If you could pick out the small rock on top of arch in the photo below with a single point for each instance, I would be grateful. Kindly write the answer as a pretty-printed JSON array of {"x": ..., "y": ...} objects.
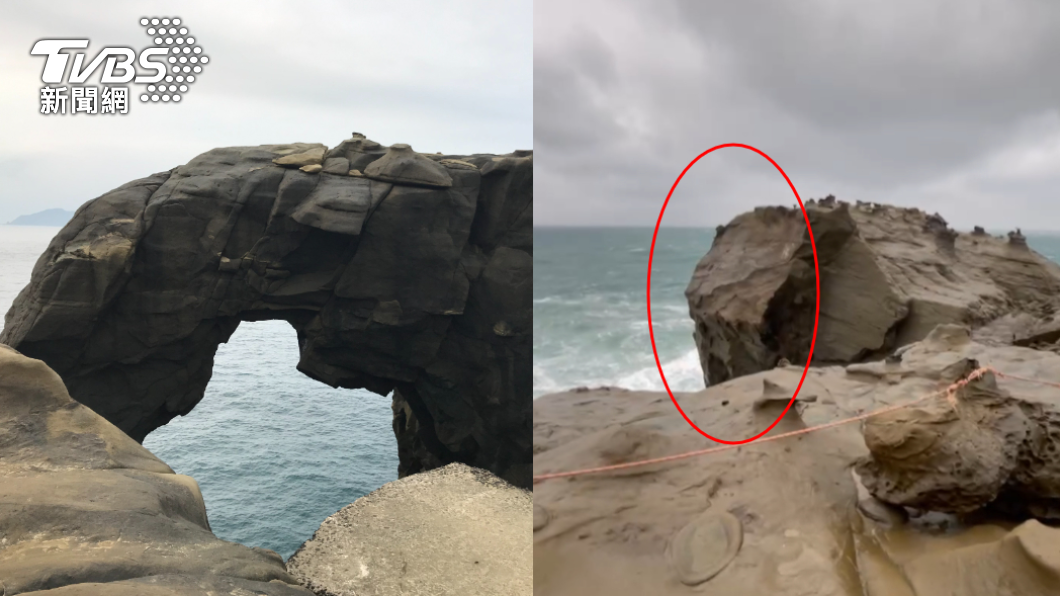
[{"x": 402, "y": 165}]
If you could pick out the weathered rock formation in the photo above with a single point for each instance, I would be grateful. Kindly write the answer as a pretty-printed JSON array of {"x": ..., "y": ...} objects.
[
  {"x": 806, "y": 524},
  {"x": 400, "y": 272},
  {"x": 86, "y": 510},
  {"x": 451, "y": 531},
  {"x": 987, "y": 449},
  {"x": 888, "y": 276}
]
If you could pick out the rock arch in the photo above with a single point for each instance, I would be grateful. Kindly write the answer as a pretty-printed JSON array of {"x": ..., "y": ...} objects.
[{"x": 399, "y": 271}]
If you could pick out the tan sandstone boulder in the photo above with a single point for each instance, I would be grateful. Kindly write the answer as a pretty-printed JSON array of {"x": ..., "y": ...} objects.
[{"x": 889, "y": 275}]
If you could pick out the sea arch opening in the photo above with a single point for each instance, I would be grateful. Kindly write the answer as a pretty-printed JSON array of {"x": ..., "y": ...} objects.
[{"x": 273, "y": 450}]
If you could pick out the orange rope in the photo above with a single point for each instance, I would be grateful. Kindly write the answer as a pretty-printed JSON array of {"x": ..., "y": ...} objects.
[{"x": 949, "y": 392}]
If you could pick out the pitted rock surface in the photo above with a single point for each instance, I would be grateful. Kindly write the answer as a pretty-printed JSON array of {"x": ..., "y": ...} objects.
[
  {"x": 412, "y": 288},
  {"x": 987, "y": 449},
  {"x": 452, "y": 531}
]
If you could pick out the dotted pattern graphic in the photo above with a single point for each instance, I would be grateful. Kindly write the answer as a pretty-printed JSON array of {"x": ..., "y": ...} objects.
[{"x": 185, "y": 58}]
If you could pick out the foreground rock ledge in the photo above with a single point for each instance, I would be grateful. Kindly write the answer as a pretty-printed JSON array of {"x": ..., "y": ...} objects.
[
  {"x": 86, "y": 510},
  {"x": 889, "y": 275},
  {"x": 399, "y": 272},
  {"x": 450, "y": 531},
  {"x": 809, "y": 526}
]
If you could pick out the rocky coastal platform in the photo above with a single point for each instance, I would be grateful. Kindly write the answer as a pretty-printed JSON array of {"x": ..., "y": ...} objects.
[
  {"x": 952, "y": 495},
  {"x": 942, "y": 519}
]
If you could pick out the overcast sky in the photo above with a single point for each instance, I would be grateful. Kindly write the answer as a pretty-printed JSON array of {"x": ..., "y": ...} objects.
[
  {"x": 454, "y": 77},
  {"x": 951, "y": 106}
]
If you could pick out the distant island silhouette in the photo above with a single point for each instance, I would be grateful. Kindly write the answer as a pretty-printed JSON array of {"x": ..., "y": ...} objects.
[{"x": 48, "y": 217}]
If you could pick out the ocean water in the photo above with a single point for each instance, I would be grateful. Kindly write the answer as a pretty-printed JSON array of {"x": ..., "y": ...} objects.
[
  {"x": 274, "y": 451},
  {"x": 590, "y": 315}
]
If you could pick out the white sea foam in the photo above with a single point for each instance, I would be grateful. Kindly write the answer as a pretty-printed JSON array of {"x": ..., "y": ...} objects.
[
  {"x": 682, "y": 374},
  {"x": 543, "y": 383}
]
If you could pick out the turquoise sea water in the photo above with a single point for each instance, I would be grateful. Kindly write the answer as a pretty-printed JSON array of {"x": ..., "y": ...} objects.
[
  {"x": 274, "y": 451},
  {"x": 590, "y": 316}
]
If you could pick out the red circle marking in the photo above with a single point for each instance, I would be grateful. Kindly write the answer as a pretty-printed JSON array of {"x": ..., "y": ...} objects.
[{"x": 817, "y": 299}]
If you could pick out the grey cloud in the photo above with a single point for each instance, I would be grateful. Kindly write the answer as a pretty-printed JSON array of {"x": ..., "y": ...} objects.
[
  {"x": 563, "y": 94},
  {"x": 454, "y": 77},
  {"x": 846, "y": 64},
  {"x": 904, "y": 102}
]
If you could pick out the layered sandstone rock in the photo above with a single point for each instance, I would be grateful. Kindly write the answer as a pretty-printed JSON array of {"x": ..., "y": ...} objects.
[
  {"x": 888, "y": 276},
  {"x": 413, "y": 277},
  {"x": 84, "y": 509},
  {"x": 453, "y": 531},
  {"x": 807, "y": 522},
  {"x": 985, "y": 448}
]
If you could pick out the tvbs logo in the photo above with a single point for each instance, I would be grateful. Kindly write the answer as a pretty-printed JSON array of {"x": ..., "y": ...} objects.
[{"x": 166, "y": 69}]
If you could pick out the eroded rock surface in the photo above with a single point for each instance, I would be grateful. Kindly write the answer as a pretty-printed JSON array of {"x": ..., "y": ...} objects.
[
  {"x": 84, "y": 509},
  {"x": 808, "y": 525},
  {"x": 704, "y": 547},
  {"x": 888, "y": 276},
  {"x": 415, "y": 278},
  {"x": 452, "y": 531},
  {"x": 986, "y": 449}
]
